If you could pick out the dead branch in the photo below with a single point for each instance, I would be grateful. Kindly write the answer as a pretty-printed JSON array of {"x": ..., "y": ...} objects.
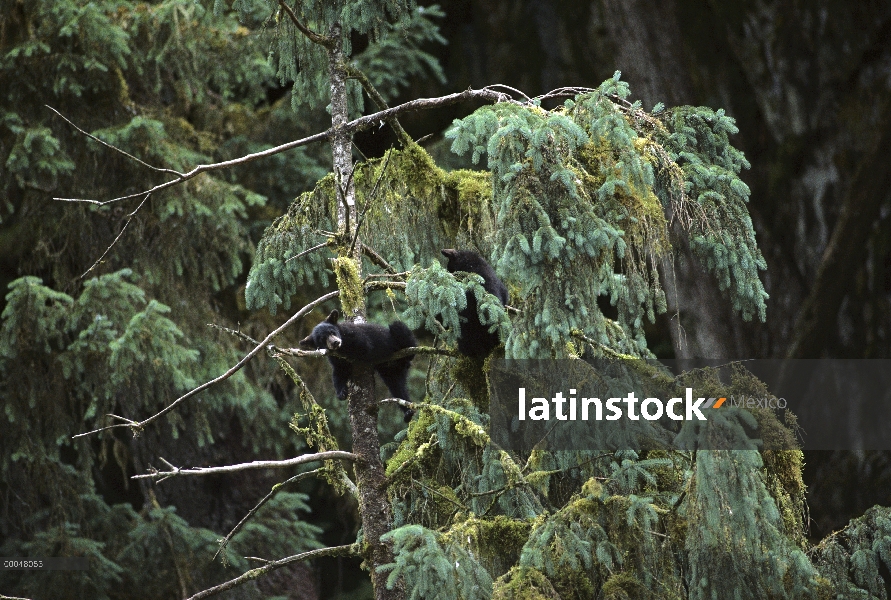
[
  {"x": 123, "y": 229},
  {"x": 350, "y": 549},
  {"x": 257, "y": 464},
  {"x": 115, "y": 148},
  {"x": 353, "y": 126},
  {"x": 138, "y": 426},
  {"x": 275, "y": 490}
]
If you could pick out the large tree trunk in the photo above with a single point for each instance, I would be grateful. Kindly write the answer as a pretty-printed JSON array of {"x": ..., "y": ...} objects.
[{"x": 374, "y": 506}]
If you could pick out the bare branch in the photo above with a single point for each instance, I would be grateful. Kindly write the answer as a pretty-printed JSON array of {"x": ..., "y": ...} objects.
[
  {"x": 368, "y": 200},
  {"x": 357, "y": 74},
  {"x": 257, "y": 464},
  {"x": 307, "y": 251},
  {"x": 115, "y": 148},
  {"x": 353, "y": 126},
  {"x": 400, "y": 402},
  {"x": 314, "y": 37},
  {"x": 211, "y": 167},
  {"x": 139, "y": 426},
  {"x": 123, "y": 229},
  {"x": 377, "y": 259},
  {"x": 511, "y": 89},
  {"x": 351, "y": 549},
  {"x": 275, "y": 490}
]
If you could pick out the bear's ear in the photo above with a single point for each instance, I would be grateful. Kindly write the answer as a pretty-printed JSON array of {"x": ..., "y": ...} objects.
[
  {"x": 307, "y": 343},
  {"x": 450, "y": 253},
  {"x": 332, "y": 318}
]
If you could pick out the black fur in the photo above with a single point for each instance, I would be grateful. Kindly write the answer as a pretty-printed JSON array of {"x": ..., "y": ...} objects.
[
  {"x": 365, "y": 342},
  {"x": 475, "y": 339}
]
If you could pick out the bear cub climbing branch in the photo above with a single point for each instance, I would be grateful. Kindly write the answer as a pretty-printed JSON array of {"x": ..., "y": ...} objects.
[
  {"x": 369, "y": 343},
  {"x": 475, "y": 339}
]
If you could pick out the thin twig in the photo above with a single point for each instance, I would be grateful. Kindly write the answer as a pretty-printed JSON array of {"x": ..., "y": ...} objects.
[
  {"x": 275, "y": 490},
  {"x": 314, "y": 37},
  {"x": 138, "y": 426},
  {"x": 257, "y": 464},
  {"x": 368, "y": 200},
  {"x": 350, "y": 549},
  {"x": 123, "y": 229},
  {"x": 307, "y": 251},
  {"x": 512, "y": 89},
  {"x": 353, "y": 126},
  {"x": 115, "y": 148}
]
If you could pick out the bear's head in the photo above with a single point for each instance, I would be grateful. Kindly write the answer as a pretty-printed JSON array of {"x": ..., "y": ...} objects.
[
  {"x": 463, "y": 260},
  {"x": 325, "y": 335}
]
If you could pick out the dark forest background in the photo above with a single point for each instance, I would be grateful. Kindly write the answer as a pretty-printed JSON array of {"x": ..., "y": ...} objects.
[{"x": 809, "y": 85}]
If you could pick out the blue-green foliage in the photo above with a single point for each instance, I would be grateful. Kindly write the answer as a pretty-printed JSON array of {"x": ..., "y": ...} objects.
[
  {"x": 275, "y": 275},
  {"x": 721, "y": 232},
  {"x": 435, "y": 297},
  {"x": 578, "y": 216},
  {"x": 396, "y": 29},
  {"x": 736, "y": 531},
  {"x": 855, "y": 557},
  {"x": 432, "y": 571}
]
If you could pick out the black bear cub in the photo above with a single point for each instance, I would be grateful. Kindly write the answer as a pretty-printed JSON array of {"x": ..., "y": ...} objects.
[
  {"x": 365, "y": 342},
  {"x": 475, "y": 339}
]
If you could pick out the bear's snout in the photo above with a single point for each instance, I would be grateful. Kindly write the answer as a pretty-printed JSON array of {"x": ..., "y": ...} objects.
[{"x": 333, "y": 342}]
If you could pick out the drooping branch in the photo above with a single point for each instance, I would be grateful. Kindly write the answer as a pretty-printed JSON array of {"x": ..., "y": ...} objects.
[
  {"x": 353, "y": 126},
  {"x": 138, "y": 426},
  {"x": 347, "y": 550},
  {"x": 257, "y": 464},
  {"x": 316, "y": 38},
  {"x": 275, "y": 490},
  {"x": 115, "y": 241},
  {"x": 377, "y": 259},
  {"x": 309, "y": 251}
]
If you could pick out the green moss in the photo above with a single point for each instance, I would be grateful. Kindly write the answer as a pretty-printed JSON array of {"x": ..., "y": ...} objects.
[
  {"x": 524, "y": 583},
  {"x": 624, "y": 586},
  {"x": 352, "y": 295},
  {"x": 470, "y": 373},
  {"x": 418, "y": 435},
  {"x": 497, "y": 541}
]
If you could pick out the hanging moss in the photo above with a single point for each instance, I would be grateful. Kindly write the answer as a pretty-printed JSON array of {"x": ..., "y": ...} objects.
[
  {"x": 352, "y": 295},
  {"x": 496, "y": 542},
  {"x": 524, "y": 583}
]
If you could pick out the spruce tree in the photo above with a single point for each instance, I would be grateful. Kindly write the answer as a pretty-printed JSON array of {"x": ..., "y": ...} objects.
[{"x": 581, "y": 198}]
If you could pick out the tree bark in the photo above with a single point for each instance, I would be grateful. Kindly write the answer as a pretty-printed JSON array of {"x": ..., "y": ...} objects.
[
  {"x": 374, "y": 506},
  {"x": 843, "y": 254}
]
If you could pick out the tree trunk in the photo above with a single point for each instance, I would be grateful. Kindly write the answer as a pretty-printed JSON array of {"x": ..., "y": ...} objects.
[{"x": 374, "y": 507}]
